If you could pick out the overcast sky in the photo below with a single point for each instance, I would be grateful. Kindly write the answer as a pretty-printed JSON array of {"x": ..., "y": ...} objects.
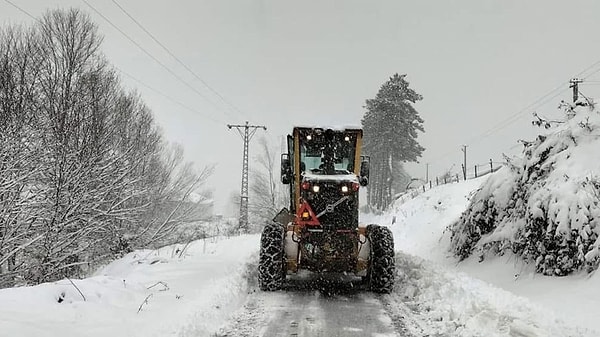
[{"x": 280, "y": 63}]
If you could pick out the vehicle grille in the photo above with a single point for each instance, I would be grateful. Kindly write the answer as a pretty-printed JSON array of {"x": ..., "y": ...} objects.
[{"x": 344, "y": 215}]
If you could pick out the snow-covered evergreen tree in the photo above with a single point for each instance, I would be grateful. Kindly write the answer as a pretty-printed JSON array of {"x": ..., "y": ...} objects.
[
  {"x": 544, "y": 206},
  {"x": 391, "y": 125}
]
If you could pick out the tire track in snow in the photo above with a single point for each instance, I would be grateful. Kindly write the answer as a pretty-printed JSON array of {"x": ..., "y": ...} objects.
[
  {"x": 247, "y": 321},
  {"x": 314, "y": 306}
]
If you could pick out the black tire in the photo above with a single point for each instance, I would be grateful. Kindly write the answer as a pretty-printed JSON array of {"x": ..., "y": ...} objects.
[
  {"x": 382, "y": 264},
  {"x": 271, "y": 263}
]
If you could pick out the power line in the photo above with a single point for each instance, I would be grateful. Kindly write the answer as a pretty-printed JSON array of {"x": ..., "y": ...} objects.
[
  {"x": 438, "y": 158},
  {"x": 209, "y": 117},
  {"x": 588, "y": 68},
  {"x": 22, "y": 10},
  {"x": 592, "y": 73},
  {"x": 531, "y": 107},
  {"x": 536, "y": 104},
  {"x": 552, "y": 97},
  {"x": 516, "y": 116},
  {"x": 229, "y": 104},
  {"x": 152, "y": 56},
  {"x": 134, "y": 78}
]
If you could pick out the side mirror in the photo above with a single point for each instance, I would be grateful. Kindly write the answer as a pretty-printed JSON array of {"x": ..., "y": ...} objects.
[
  {"x": 364, "y": 171},
  {"x": 286, "y": 169}
]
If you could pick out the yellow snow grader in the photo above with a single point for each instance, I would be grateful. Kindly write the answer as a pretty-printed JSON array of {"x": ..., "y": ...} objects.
[{"x": 320, "y": 231}]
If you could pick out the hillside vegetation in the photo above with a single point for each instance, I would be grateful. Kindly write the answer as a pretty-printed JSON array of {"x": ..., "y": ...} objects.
[
  {"x": 542, "y": 207},
  {"x": 85, "y": 173}
]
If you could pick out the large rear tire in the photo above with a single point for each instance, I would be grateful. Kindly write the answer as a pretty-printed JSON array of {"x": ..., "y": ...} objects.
[
  {"x": 382, "y": 268},
  {"x": 271, "y": 264}
]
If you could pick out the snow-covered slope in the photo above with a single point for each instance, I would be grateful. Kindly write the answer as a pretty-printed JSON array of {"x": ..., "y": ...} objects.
[
  {"x": 147, "y": 293},
  {"x": 498, "y": 294},
  {"x": 418, "y": 223}
]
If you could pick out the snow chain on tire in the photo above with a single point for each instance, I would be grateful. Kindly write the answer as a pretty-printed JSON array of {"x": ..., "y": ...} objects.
[
  {"x": 271, "y": 267},
  {"x": 382, "y": 266}
]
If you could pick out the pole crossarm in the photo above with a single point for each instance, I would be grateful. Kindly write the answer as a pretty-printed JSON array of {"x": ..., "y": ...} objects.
[
  {"x": 246, "y": 131},
  {"x": 575, "y": 85}
]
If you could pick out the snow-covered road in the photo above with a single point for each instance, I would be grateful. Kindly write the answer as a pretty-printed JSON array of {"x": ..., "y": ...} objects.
[
  {"x": 315, "y": 306},
  {"x": 428, "y": 300}
]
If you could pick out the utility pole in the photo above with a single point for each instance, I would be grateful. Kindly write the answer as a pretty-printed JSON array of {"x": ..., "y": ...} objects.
[
  {"x": 575, "y": 85},
  {"x": 426, "y": 172},
  {"x": 464, "y": 150},
  {"x": 246, "y": 131}
]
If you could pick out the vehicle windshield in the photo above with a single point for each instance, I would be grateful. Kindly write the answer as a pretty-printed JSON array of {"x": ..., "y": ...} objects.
[{"x": 327, "y": 152}]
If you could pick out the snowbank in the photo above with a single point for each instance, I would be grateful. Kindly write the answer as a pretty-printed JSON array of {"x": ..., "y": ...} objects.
[
  {"x": 446, "y": 303},
  {"x": 427, "y": 274},
  {"x": 147, "y": 293},
  {"x": 418, "y": 223}
]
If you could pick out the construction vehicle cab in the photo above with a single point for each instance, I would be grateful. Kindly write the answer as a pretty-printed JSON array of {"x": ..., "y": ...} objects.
[{"x": 320, "y": 231}]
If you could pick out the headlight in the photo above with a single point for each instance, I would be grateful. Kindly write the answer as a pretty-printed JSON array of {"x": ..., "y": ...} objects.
[
  {"x": 344, "y": 189},
  {"x": 316, "y": 188}
]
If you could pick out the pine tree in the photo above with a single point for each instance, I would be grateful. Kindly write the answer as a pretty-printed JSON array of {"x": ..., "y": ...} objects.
[{"x": 390, "y": 127}]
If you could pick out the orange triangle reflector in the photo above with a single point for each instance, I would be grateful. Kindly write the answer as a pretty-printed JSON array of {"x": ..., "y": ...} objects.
[{"x": 306, "y": 216}]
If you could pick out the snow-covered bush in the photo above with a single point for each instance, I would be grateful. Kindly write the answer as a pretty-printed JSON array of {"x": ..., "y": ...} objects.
[{"x": 543, "y": 207}]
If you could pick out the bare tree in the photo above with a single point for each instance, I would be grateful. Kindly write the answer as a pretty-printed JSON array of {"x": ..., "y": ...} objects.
[
  {"x": 268, "y": 198},
  {"x": 85, "y": 174},
  {"x": 18, "y": 150},
  {"x": 171, "y": 204}
]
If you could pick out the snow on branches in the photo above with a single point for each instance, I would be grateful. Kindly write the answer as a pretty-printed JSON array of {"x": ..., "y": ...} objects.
[
  {"x": 544, "y": 206},
  {"x": 85, "y": 175}
]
